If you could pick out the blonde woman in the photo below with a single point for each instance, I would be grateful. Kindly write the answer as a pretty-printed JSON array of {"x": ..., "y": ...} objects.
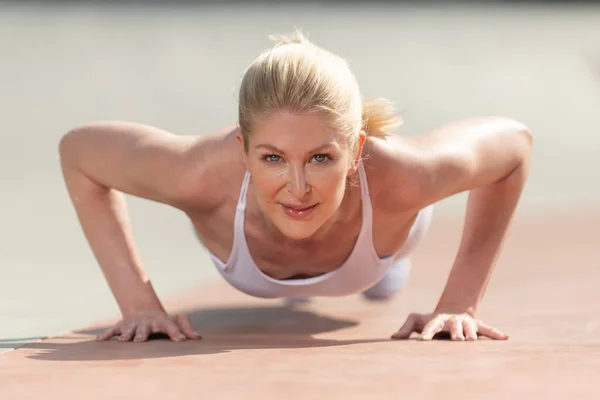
[{"x": 309, "y": 194}]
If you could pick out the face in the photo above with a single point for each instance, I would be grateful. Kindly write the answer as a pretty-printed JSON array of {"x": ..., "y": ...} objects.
[{"x": 299, "y": 169}]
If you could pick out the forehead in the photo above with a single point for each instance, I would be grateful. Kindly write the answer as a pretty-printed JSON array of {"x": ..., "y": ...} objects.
[{"x": 295, "y": 132}]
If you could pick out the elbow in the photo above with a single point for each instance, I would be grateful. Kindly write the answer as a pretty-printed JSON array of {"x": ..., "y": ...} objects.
[
  {"x": 65, "y": 147},
  {"x": 520, "y": 138},
  {"x": 526, "y": 137},
  {"x": 523, "y": 138},
  {"x": 69, "y": 148},
  {"x": 69, "y": 144},
  {"x": 524, "y": 134}
]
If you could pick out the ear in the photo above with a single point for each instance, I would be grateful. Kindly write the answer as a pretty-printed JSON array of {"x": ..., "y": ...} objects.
[
  {"x": 240, "y": 140},
  {"x": 362, "y": 136}
]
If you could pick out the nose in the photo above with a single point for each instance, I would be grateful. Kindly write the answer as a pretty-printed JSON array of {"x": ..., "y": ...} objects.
[{"x": 297, "y": 184}]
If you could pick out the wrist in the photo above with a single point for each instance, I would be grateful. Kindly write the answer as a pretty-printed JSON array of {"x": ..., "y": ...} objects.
[
  {"x": 448, "y": 307},
  {"x": 141, "y": 301},
  {"x": 141, "y": 309}
]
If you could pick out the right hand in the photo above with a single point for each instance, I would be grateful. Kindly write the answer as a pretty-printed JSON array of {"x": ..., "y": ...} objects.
[{"x": 139, "y": 326}]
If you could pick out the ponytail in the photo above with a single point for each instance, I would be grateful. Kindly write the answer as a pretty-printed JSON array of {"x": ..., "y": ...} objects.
[{"x": 379, "y": 117}]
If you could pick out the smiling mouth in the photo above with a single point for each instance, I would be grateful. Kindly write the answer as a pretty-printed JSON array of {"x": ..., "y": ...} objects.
[{"x": 298, "y": 212}]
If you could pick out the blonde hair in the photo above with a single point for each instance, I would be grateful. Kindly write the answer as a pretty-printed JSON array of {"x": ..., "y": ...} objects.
[{"x": 297, "y": 76}]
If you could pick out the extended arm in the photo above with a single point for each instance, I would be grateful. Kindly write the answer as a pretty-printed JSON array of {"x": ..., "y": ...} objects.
[
  {"x": 100, "y": 162},
  {"x": 490, "y": 158}
]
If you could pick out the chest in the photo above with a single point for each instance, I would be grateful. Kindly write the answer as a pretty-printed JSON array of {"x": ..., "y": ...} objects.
[{"x": 283, "y": 259}]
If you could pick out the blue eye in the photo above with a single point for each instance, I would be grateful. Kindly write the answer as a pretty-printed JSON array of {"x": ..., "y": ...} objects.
[
  {"x": 321, "y": 158},
  {"x": 272, "y": 158}
]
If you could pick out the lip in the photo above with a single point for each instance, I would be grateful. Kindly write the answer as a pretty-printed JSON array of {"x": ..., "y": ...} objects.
[{"x": 298, "y": 211}]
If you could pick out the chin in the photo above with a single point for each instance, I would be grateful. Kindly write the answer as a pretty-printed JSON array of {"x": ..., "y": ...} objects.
[
  {"x": 297, "y": 230},
  {"x": 300, "y": 234}
]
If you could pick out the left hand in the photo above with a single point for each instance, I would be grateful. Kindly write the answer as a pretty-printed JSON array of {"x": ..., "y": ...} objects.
[{"x": 460, "y": 327}]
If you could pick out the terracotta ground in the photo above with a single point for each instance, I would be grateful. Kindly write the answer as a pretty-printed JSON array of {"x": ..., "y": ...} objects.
[{"x": 544, "y": 295}]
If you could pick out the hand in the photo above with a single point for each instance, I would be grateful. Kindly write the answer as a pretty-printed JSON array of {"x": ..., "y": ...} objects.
[
  {"x": 459, "y": 326},
  {"x": 139, "y": 326}
]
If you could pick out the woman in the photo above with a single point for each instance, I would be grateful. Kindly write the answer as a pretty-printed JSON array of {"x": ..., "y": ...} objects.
[{"x": 308, "y": 195}]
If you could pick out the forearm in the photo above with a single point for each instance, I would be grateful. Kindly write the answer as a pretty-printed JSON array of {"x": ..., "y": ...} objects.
[
  {"x": 102, "y": 214},
  {"x": 489, "y": 211}
]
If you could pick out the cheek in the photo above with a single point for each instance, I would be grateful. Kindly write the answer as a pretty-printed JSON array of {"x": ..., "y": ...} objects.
[
  {"x": 267, "y": 180},
  {"x": 330, "y": 183}
]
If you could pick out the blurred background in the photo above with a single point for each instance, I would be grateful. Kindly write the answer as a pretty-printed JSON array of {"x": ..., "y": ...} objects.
[{"x": 177, "y": 65}]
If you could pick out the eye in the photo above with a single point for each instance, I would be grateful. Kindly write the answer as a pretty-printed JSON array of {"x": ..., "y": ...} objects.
[
  {"x": 321, "y": 158},
  {"x": 271, "y": 158}
]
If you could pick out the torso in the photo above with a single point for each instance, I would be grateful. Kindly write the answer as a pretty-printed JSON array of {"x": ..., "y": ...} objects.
[{"x": 281, "y": 259}]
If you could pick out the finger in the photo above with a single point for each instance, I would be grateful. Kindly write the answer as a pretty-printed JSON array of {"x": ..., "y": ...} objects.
[
  {"x": 407, "y": 329},
  {"x": 455, "y": 327},
  {"x": 142, "y": 333},
  {"x": 127, "y": 333},
  {"x": 186, "y": 327},
  {"x": 108, "y": 333},
  {"x": 170, "y": 328},
  {"x": 490, "y": 332},
  {"x": 434, "y": 326},
  {"x": 470, "y": 329}
]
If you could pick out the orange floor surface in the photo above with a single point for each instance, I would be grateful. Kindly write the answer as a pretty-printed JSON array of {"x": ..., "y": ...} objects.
[{"x": 544, "y": 294}]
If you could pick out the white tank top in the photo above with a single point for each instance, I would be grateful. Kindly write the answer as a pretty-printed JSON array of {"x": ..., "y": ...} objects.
[{"x": 361, "y": 270}]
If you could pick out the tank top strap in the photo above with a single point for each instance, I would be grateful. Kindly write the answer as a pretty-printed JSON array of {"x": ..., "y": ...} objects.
[
  {"x": 241, "y": 205},
  {"x": 364, "y": 184},
  {"x": 238, "y": 226},
  {"x": 367, "y": 208}
]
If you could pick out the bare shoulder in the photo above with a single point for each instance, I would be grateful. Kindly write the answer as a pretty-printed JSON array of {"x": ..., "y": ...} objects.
[
  {"x": 395, "y": 170},
  {"x": 413, "y": 172},
  {"x": 183, "y": 171},
  {"x": 213, "y": 166}
]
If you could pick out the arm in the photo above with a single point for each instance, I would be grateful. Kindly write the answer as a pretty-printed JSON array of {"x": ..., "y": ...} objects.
[
  {"x": 100, "y": 162},
  {"x": 489, "y": 158}
]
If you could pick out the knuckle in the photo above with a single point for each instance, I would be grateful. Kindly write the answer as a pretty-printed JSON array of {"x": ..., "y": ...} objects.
[{"x": 155, "y": 327}]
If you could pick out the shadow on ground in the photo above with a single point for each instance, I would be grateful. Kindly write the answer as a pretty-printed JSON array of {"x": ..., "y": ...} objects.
[
  {"x": 13, "y": 343},
  {"x": 223, "y": 330}
]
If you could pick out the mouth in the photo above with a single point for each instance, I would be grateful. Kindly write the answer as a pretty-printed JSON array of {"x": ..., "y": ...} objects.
[{"x": 298, "y": 211}]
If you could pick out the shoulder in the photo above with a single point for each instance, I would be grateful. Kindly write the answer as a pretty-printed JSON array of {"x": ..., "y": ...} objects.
[
  {"x": 184, "y": 171},
  {"x": 211, "y": 167},
  {"x": 413, "y": 172},
  {"x": 396, "y": 171}
]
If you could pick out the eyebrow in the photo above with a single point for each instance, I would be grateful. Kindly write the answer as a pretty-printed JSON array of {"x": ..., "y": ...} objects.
[{"x": 277, "y": 150}]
